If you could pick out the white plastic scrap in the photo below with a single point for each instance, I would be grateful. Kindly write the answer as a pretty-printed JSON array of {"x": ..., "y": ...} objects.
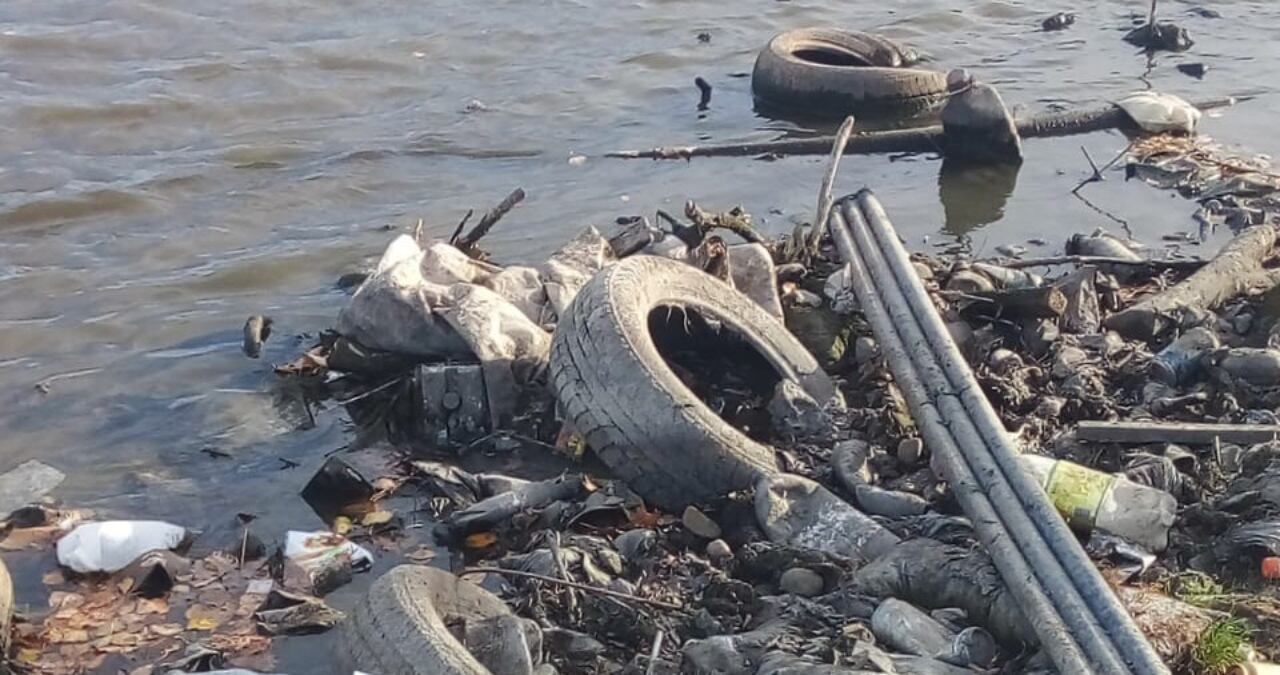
[
  {"x": 111, "y": 545},
  {"x": 310, "y": 549},
  {"x": 1155, "y": 112}
]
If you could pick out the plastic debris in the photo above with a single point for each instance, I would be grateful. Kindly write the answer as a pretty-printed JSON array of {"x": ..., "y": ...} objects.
[
  {"x": 111, "y": 545},
  {"x": 1156, "y": 113}
]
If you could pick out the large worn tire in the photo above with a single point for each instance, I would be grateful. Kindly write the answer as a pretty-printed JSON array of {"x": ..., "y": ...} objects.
[
  {"x": 399, "y": 628},
  {"x": 832, "y": 73},
  {"x": 638, "y": 417}
]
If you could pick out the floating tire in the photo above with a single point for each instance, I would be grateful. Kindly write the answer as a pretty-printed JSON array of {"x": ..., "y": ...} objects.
[
  {"x": 831, "y": 73},
  {"x": 635, "y": 413}
]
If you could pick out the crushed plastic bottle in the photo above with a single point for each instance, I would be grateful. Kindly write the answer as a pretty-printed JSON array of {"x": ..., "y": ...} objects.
[{"x": 1090, "y": 499}]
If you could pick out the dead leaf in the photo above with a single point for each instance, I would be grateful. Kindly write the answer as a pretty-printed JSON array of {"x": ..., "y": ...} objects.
[
  {"x": 376, "y": 518},
  {"x": 56, "y": 635},
  {"x": 204, "y": 618},
  {"x": 165, "y": 629},
  {"x": 28, "y": 655},
  {"x": 341, "y": 525},
  {"x": 421, "y": 554},
  {"x": 481, "y": 540},
  {"x": 153, "y": 606},
  {"x": 65, "y": 600},
  {"x": 53, "y": 578}
]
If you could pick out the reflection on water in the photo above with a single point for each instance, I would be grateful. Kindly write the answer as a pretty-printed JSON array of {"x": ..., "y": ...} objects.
[{"x": 973, "y": 196}]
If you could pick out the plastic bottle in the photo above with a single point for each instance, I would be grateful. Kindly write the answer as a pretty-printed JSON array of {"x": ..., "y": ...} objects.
[{"x": 1090, "y": 499}]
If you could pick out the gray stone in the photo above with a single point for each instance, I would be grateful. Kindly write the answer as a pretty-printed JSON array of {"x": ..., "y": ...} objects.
[
  {"x": 27, "y": 484},
  {"x": 800, "y": 581},
  {"x": 979, "y": 128},
  {"x": 796, "y": 413},
  {"x": 719, "y": 550},
  {"x": 739, "y": 654},
  {"x": 889, "y": 503},
  {"x": 699, "y": 523},
  {"x": 504, "y": 643},
  {"x": 865, "y": 350},
  {"x": 634, "y": 544},
  {"x": 906, "y": 628},
  {"x": 910, "y": 450}
]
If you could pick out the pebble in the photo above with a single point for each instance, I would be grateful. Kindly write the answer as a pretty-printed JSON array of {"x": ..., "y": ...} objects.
[
  {"x": 1242, "y": 323},
  {"x": 910, "y": 450},
  {"x": 864, "y": 350},
  {"x": 800, "y": 581},
  {"x": 719, "y": 549},
  {"x": 698, "y": 523}
]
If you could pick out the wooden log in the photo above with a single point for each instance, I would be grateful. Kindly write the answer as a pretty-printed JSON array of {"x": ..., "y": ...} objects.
[
  {"x": 1236, "y": 269},
  {"x": 1189, "y": 433}
]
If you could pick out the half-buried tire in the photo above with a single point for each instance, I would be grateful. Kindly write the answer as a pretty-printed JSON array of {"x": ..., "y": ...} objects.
[
  {"x": 400, "y": 627},
  {"x": 619, "y": 391}
]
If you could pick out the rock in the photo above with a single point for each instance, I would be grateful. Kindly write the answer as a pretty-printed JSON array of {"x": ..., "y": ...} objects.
[
  {"x": 577, "y": 648},
  {"x": 1160, "y": 36},
  {"x": 719, "y": 550},
  {"x": 978, "y": 127},
  {"x": 1196, "y": 70},
  {"x": 504, "y": 643},
  {"x": 1058, "y": 21},
  {"x": 634, "y": 544},
  {"x": 26, "y": 484},
  {"x": 797, "y": 511},
  {"x": 865, "y": 350},
  {"x": 796, "y": 413},
  {"x": 910, "y": 450},
  {"x": 889, "y": 503},
  {"x": 801, "y": 581},
  {"x": 739, "y": 654},
  {"x": 698, "y": 523}
]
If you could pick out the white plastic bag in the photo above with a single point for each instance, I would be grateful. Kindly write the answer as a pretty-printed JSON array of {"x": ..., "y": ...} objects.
[{"x": 111, "y": 545}]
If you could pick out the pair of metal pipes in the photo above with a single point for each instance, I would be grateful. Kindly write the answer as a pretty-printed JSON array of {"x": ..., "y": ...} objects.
[{"x": 1079, "y": 621}]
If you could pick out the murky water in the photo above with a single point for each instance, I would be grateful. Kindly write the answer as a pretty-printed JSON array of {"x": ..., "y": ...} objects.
[{"x": 168, "y": 168}]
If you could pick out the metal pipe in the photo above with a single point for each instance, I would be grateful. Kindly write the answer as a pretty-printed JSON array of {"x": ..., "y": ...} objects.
[
  {"x": 1104, "y": 605},
  {"x": 1054, "y": 636},
  {"x": 1048, "y": 571}
]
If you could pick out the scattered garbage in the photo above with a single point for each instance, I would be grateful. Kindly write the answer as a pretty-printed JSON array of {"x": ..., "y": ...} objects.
[
  {"x": 810, "y": 455},
  {"x": 110, "y": 546}
]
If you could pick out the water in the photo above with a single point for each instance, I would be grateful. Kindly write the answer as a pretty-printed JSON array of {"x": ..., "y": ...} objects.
[{"x": 170, "y": 168}]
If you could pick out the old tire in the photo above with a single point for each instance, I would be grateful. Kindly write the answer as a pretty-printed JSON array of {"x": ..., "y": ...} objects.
[
  {"x": 832, "y": 73},
  {"x": 399, "y": 628},
  {"x": 644, "y": 423}
]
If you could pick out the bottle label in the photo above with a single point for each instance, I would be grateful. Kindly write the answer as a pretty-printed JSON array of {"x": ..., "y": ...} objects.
[{"x": 1077, "y": 492}]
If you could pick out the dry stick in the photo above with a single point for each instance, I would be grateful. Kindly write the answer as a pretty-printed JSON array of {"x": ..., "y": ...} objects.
[
  {"x": 825, "y": 200},
  {"x": 1097, "y": 173},
  {"x": 468, "y": 241},
  {"x": 458, "y": 230},
  {"x": 653, "y": 653},
  {"x": 1101, "y": 260},
  {"x": 562, "y": 570},
  {"x": 572, "y": 584}
]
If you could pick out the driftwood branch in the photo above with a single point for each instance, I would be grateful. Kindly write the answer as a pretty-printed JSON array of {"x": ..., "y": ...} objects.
[
  {"x": 828, "y": 182},
  {"x": 457, "y": 231},
  {"x": 1236, "y": 269},
  {"x": 734, "y": 220},
  {"x": 923, "y": 139},
  {"x": 1136, "y": 433},
  {"x": 1102, "y": 260},
  {"x": 470, "y": 239},
  {"x": 572, "y": 584}
]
